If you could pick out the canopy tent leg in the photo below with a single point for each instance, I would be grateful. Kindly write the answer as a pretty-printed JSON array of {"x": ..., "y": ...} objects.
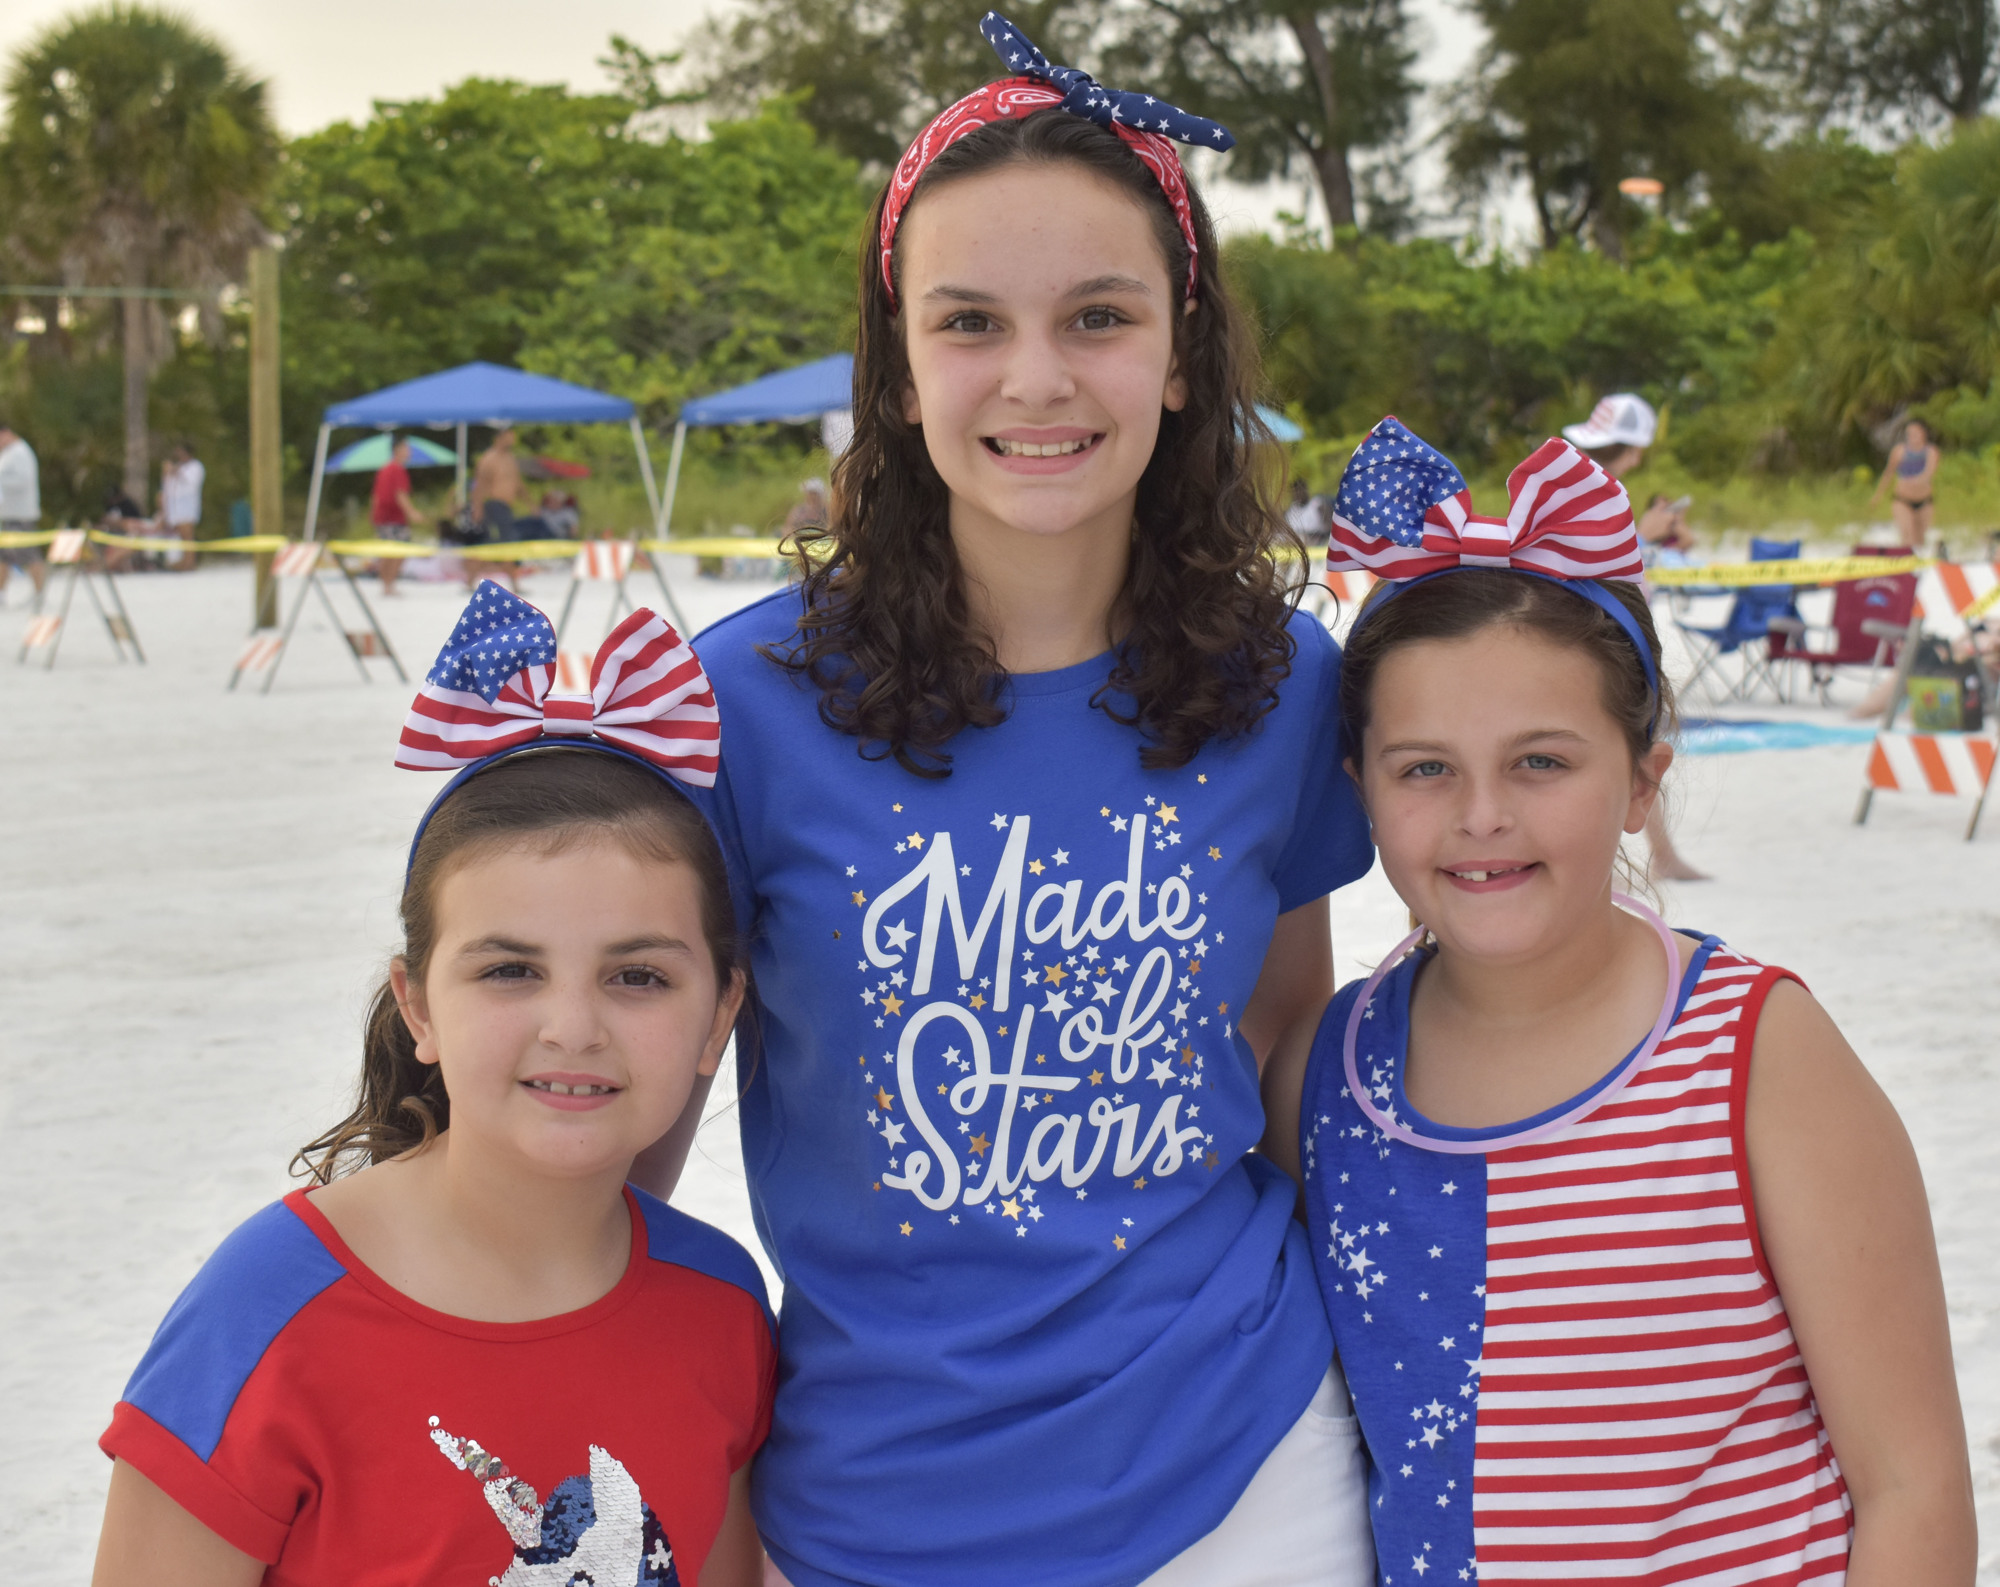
[
  {"x": 664, "y": 520},
  {"x": 459, "y": 479},
  {"x": 318, "y": 479},
  {"x": 646, "y": 469},
  {"x": 664, "y": 523}
]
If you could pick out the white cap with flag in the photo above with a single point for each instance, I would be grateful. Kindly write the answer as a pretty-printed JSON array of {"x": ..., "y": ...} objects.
[{"x": 1620, "y": 419}]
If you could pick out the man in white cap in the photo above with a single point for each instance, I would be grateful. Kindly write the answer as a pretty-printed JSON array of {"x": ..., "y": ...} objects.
[
  {"x": 1615, "y": 438},
  {"x": 1617, "y": 433}
]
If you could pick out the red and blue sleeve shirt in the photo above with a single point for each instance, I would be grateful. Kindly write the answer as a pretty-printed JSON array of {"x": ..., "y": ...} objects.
[{"x": 327, "y": 1424}]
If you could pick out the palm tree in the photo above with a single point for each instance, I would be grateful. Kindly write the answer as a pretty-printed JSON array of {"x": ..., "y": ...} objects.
[{"x": 136, "y": 153}]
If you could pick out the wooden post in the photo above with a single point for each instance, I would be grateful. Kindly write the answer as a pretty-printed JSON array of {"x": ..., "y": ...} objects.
[{"x": 267, "y": 485}]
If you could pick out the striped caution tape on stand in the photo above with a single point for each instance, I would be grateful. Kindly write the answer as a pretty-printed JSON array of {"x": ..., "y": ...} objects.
[{"x": 1810, "y": 570}]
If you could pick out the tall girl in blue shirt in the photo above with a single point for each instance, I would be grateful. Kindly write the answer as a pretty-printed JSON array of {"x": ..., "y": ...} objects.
[{"x": 1030, "y": 798}]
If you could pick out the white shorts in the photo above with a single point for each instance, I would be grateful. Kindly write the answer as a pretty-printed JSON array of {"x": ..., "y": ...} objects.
[{"x": 1302, "y": 1522}]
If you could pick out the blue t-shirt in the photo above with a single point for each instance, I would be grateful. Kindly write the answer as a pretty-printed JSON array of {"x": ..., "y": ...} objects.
[{"x": 1043, "y": 1317}]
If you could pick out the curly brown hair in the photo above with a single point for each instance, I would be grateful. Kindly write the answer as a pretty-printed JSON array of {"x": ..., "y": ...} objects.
[{"x": 887, "y": 634}]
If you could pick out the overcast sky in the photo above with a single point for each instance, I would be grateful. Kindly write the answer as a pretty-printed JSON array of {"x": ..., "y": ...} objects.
[{"x": 329, "y": 62}]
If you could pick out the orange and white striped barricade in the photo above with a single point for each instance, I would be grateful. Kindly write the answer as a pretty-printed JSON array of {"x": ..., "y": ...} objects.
[
  {"x": 303, "y": 563},
  {"x": 573, "y": 671},
  {"x": 70, "y": 554},
  {"x": 1936, "y": 763},
  {"x": 1952, "y": 595},
  {"x": 599, "y": 562},
  {"x": 1336, "y": 594}
]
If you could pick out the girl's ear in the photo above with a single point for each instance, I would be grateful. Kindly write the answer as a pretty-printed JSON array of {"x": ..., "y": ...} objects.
[
  {"x": 1176, "y": 395},
  {"x": 726, "y": 1008},
  {"x": 1360, "y": 791},
  {"x": 913, "y": 409},
  {"x": 1647, "y": 776},
  {"x": 415, "y": 1011}
]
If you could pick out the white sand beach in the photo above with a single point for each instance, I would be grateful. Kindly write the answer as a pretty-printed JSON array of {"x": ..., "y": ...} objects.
[{"x": 199, "y": 892}]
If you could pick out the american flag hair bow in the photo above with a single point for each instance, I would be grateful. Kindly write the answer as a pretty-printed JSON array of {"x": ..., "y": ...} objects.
[
  {"x": 490, "y": 692},
  {"x": 1149, "y": 127},
  {"x": 1402, "y": 511}
]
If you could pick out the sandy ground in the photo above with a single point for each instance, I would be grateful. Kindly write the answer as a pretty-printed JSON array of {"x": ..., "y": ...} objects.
[{"x": 200, "y": 890}]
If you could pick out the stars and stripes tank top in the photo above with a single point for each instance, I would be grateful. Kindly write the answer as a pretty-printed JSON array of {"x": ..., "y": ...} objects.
[{"x": 1569, "y": 1357}]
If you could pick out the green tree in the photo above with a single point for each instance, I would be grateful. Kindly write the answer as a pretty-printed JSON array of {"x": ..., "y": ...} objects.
[
  {"x": 1298, "y": 84},
  {"x": 1913, "y": 61},
  {"x": 1904, "y": 311},
  {"x": 136, "y": 153},
  {"x": 871, "y": 73},
  {"x": 563, "y": 233},
  {"x": 1575, "y": 96}
]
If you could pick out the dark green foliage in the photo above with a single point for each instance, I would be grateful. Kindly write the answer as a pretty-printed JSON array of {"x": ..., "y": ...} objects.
[
  {"x": 1574, "y": 96},
  {"x": 1915, "y": 62}
]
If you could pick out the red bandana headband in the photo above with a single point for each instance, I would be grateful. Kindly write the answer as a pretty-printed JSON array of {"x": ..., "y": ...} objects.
[{"x": 1149, "y": 127}]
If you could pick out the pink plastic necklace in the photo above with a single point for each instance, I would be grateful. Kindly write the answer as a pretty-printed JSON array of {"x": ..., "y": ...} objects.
[{"x": 1495, "y": 1143}]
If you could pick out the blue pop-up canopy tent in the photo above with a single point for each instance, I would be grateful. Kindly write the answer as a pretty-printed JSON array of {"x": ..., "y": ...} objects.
[
  {"x": 791, "y": 396},
  {"x": 478, "y": 393}
]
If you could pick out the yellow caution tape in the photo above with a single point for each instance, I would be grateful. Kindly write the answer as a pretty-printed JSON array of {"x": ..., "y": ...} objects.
[
  {"x": 243, "y": 543},
  {"x": 1824, "y": 570},
  {"x": 1983, "y": 605},
  {"x": 16, "y": 539}
]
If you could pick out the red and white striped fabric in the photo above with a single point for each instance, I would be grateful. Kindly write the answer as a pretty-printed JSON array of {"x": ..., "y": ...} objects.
[
  {"x": 295, "y": 560},
  {"x": 258, "y": 652},
  {"x": 603, "y": 560},
  {"x": 647, "y": 693},
  {"x": 40, "y": 631},
  {"x": 1941, "y": 763},
  {"x": 1644, "y": 1413},
  {"x": 1403, "y": 511},
  {"x": 68, "y": 545}
]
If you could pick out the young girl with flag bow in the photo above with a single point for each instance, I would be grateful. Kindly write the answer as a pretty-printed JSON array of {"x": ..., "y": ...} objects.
[
  {"x": 470, "y": 1352},
  {"x": 1627, "y": 1257},
  {"x": 1031, "y": 801}
]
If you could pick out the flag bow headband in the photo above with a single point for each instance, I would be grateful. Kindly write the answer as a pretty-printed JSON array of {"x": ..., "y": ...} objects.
[
  {"x": 1403, "y": 512},
  {"x": 489, "y": 695},
  {"x": 1146, "y": 125}
]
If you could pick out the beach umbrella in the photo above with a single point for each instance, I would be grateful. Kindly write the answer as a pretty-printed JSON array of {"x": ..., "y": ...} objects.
[{"x": 365, "y": 457}]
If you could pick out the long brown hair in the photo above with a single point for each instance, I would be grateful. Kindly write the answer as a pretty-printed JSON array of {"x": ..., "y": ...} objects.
[
  {"x": 887, "y": 635},
  {"x": 554, "y": 798}
]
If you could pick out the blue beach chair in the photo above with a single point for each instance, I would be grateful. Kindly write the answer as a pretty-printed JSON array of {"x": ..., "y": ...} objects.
[{"x": 1745, "y": 631}]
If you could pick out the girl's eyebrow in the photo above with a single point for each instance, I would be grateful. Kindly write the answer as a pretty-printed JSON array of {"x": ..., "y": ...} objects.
[
  {"x": 648, "y": 944},
  {"x": 1112, "y": 283},
  {"x": 960, "y": 295},
  {"x": 1430, "y": 747},
  {"x": 657, "y": 942},
  {"x": 524, "y": 950}
]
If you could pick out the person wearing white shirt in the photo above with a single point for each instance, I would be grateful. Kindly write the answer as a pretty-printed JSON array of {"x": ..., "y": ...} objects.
[
  {"x": 20, "y": 508},
  {"x": 180, "y": 498}
]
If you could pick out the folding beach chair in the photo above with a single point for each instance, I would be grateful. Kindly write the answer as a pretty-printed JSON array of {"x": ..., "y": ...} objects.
[
  {"x": 1870, "y": 619},
  {"x": 1745, "y": 629}
]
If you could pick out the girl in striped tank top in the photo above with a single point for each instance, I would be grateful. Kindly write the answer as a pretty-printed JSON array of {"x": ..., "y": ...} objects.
[{"x": 1667, "y": 1317}]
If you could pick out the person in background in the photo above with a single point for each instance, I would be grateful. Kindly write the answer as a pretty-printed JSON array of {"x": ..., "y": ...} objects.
[
  {"x": 496, "y": 486},
  {"x": 1615, "y": 438},
  {"x": 809, "y": 511},
  {"x": 1663, "y": 530},
  {"x": 20, "y": 509},
  {"x": 1912, "y": 468},
  {"x": 124, "y": 516},
  {"x": 180, "y": 499},
  {"x": 390, "y": 510},
  {"x": 560, "y": 515},
  {"x": 1307, "y": 514}
]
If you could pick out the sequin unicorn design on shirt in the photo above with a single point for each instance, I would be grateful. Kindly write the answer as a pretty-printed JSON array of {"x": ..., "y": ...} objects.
[{"x": 594, "y": 1529}]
